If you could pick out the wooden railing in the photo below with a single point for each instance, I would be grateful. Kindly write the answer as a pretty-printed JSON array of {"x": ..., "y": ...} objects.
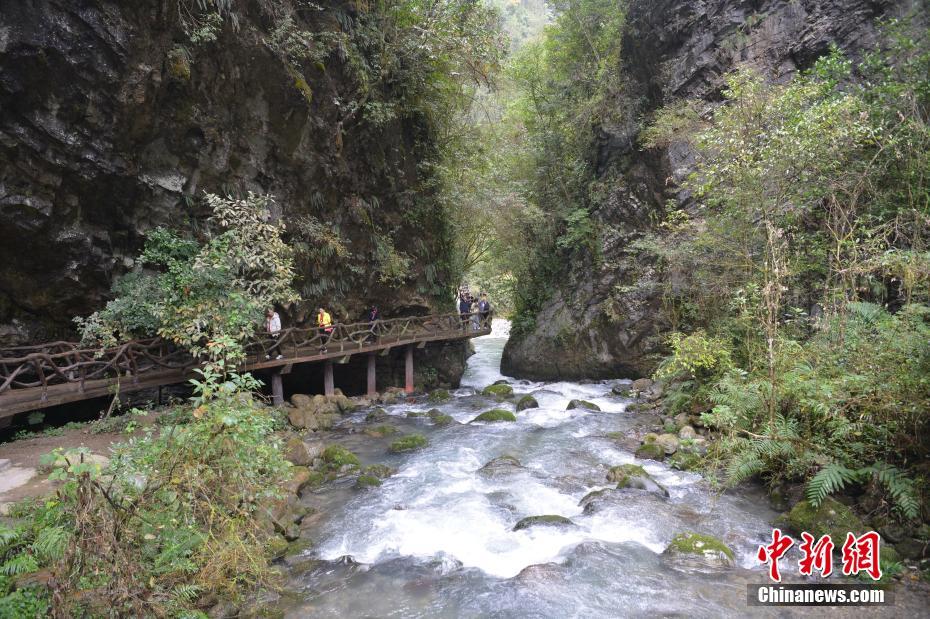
[{"x": 73, "y": 366}]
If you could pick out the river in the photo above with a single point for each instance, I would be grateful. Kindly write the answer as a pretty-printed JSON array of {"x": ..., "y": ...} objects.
[{"x": 437, "y": 539}]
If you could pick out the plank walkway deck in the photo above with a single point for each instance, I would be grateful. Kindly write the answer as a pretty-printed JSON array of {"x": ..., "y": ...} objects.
[{"x": 37, "y": 377}]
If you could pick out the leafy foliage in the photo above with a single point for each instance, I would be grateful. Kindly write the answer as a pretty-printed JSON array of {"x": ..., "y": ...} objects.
[
  {"x": 193, "y": 293},
  {"x": 788, "y": 271},
  {"x": 177, "y": 513}
]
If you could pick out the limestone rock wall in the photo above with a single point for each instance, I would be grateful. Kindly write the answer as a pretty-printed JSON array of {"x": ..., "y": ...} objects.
[
  {"x": 113, "y": 122},
  {"x": 672, "y": 49}
]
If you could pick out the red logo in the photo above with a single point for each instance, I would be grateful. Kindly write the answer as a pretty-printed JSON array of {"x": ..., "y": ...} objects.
[
  {"x": 773, "y": 552},
  {"x": 860, "y": 554}
]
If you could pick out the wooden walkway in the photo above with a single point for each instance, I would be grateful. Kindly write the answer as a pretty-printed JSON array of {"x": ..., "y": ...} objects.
[{"x": 36, "y": 377}]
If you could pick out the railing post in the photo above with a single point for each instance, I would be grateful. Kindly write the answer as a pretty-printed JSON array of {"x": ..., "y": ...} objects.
[
  {"x": 408, "y": 369},
  {"x": 328, "y": 388},
  {"x": 372, "y": 378},
  {"x": 277, "y": 388}
]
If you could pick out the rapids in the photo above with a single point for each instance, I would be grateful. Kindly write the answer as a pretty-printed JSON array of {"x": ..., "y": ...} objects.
[{"x": 437, "y": 538}]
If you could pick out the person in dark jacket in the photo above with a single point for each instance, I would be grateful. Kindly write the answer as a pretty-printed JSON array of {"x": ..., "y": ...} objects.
[
  {"x": 484, "y": 308},
  {"x": 464, "y": 308}
]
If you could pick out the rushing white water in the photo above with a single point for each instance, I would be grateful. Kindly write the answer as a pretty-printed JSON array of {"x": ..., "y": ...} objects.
[{"x": 438, "y": 537}]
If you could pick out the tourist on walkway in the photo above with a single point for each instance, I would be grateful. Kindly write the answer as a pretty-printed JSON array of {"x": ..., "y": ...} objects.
[
  {"x": 273, "y": 328},
  {"x": 464, "y": 308},
  {"x": 374, "y": 316},
  {"x": 325, "y": 323},
  {"x": 475, "y": 317},
  {"x": 484, "y": 307}
]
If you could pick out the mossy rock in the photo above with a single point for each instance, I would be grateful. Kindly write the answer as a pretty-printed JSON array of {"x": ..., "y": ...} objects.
[
  {"x": 650, "y": 437},
  {"x": 650, "y": 451},
  {"x": 591, "y": 496},
  {"x": 381, "y": 471},
  {"x": 830, "y": 518},
  {"x": 337, "y": 456},
  {"x": 440, "y": 395},
  {"x": 408, "y": 443},
  {"x": 318, "y": 478},
  {"x": 591, "y": 406},
  {"x": 527, "y": 402},
  {"x": 440, "y": 419},
  {"x": 686, "y": 461},
  {"x": 548, "y": 520},
  {"x": 635, "y": 477},
  {"x": 276, "y": 547},
  {"x": 499, "y": 392},
  {"x": 367, "y": 481},
  {"x": 179, "y": 64},
  {"x": 378, "y": 414},
  {"x": 415, "y": 414},
  {"x": 381, "y": 431},
  {"x": 494, "y": 415},
  {"x": 699, "y": 550},
  {"x": 616, "y": 436}
]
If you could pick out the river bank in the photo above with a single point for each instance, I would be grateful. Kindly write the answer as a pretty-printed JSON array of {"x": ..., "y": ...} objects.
[{"x": 410, "y": 507}]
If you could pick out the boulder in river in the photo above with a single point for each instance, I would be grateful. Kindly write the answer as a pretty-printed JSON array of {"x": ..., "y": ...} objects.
[
  {"x": 696, "y": 550},
  {"x": 339, "y": 459},
  {"x": 526, "y": 402},
  {"x": 496, "y": 414},
  {"x": 687, "y": 433},
  {"x": 829, "y": 518},
  {"x": 591, "y": 406},
  {"x": 669, "y": 442},
  {"x": 501, "y": 465},
  {"x": 547, "y": 520},
  {"x": 498, "y": 392},
  {"x": 636, "y": 477},
  {"x": 408, "y": 443},
  {"x": 650, "y": 451},
  {"x": 641, "y": 384},
  {"x": 440, "y": 419},
  {"x": 439, "y": 395},
  {"x": 295, "y": 451}
]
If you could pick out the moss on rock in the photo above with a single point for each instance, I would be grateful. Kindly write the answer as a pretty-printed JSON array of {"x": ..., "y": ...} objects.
[
  {"x": 337, "y": 456},
  {"x": 704, "y": 549},
  {"x": 830, "y": 518},
  {"x": 636, "y": 477},
  {"x": 439, "y": 418},
  {"x": 439, "y": 395},
  {"x": 527, "y": 402},
  {"x": 548, "y": 520},
  {"x": 381, "y": 471},
  {"x": 496, "y": 414},
  {"x": 499, "y": 392},
  {"x": 591, "y": 406},
  {"x": 408, "y": 443},
  {"x": 367, "y": 481},
  {"x": 381, "y": 431},
  {"x": 686, "y": 461},
  {"x": 651, "y": 451}
]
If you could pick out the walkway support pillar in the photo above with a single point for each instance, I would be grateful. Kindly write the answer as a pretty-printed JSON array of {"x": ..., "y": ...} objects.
[
  {"x": 328, "y": 388},
  {"x": 408, "y": 369},
  {"x": 372, "y": 378},
  {"x": 277, "y": 388}
]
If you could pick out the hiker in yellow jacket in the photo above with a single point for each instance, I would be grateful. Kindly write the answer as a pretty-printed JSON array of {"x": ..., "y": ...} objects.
[{"x": 325, "y": 323}]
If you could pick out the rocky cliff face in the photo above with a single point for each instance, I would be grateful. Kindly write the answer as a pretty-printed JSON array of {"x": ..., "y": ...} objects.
[
  {"x": 113, "y": 121},
  {"x": 598, "y": 324}
]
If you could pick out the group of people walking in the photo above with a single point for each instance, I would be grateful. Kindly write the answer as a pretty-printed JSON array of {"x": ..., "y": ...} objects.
[{"x": 473, "y": 311}]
